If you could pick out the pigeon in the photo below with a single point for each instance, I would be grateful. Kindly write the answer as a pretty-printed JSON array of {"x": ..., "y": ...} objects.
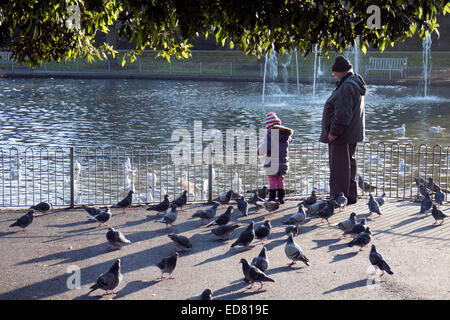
[
  {"x": 162, "y": 206},
  {"x": 92, "y": 211},
  {"x": 168, "y": 264},
  {"x": 362, "y": 239},
  {"x": 426, "y": 203},
  {"x": 246, "y": 237},
  {"x": 205, "y": 295},
  {"x": 169, "y": 217},
  {"x": 261, "y": 261},
  {"x": 103, "y": 216},
  {"x": 292, "y": 229},
  {"x": 439, "y": 196},
  {"x": 242, "y": 206},
  {"x": 116, "y": 238},
  {"x": 294, "y": 251},
  {"x": 327, "y": 211},
  {"x": 310, "y": 200},
  {"x": 270, "y": 206},
  {"x": 256, "y": 200},
  {"x": 419, "y": 182},
  {"x": 380, "y": 200},
  {"x": 357, "y": 228},
  {"x": 43, "y": 207},
  {"x": 262, "y": 193},
  {"x": 126, "y": 202},
  {"x": 313, "y": 209},
  {"x": 109, "y": 280},
  {"x": 438, "y": 214},
  {"x": 434, "y": 187},
  {"x": 377, "y": 260},
  {"x": 253, "y": 274},
  {"x": 224, "y": 218},
  {"x": 224, "y": 199},
  {"x": 181, "y": 201},
  {"x": 223, "y": 232},
  {"x": 263, "y": 231},
  {"x": 206, "y": 214},
  {"x": 182, "y": 243},
  {"x": 367, "y": 187},
  {"x": 24, "y": 221},
  {"x": 373, "y": 206},
  {"x": 341, "y": 201},
  {"x": 348, "y": 224},
  {"x": 297, "y": 217},
  {"x": 401, "y": 131}
]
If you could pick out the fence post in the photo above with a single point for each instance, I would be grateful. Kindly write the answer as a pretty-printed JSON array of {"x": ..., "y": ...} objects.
[
  {"x": 200, "y": 68},
  {"x": 140, "y": 66},
  {"x": 72, "y": 179},
  {"x": 77, "y": 64},
  {"x": 231, "y": 68},
  {"x": 210, "y": 176}
]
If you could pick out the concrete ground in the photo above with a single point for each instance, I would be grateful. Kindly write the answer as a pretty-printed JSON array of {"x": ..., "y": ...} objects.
[{"x": 39, "y": 263}]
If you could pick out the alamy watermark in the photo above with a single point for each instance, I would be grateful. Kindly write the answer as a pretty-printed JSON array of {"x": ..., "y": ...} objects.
[
  {"x": 374, "y": 20},
  {"x": 74, "y": 280},
  {"x": 74, "y": 19}
]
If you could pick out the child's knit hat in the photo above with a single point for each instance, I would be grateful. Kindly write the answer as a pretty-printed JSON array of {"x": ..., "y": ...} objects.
[{"x": 271, "y": 119}]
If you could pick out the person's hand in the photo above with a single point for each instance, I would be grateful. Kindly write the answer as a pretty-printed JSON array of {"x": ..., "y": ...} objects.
[{"x": 331, "y": 137}]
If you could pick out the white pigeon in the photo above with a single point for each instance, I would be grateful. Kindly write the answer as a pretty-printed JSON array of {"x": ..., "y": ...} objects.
[
  {"x": 401, "y": 131},
  {"x": 403, "y": 166},
  {"x": 152, "y": 178},
  {"x": 146, "y": 196},
  {"x": 236, "y": 183},
  {"x": 436, "y": 129}
]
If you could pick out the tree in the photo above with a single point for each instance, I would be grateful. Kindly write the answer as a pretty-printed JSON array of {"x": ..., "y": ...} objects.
[{"x": 51, "y": 30}]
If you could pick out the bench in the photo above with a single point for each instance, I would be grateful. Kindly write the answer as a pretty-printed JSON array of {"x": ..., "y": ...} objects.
[
  {"x": 387, "y": 64},
  {"x": 5, "y": 56}
]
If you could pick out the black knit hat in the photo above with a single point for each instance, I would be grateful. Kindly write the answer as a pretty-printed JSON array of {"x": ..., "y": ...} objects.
[{"x": 341, "y": 64}]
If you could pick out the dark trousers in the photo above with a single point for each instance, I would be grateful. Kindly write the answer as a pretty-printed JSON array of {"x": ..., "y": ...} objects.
[{"x": 342, "y": 159}]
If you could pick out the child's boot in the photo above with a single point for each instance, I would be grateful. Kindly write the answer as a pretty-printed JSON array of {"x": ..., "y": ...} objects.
[
  {"x": 281, "y": 194},
  {"x": 272, "y": 195}
]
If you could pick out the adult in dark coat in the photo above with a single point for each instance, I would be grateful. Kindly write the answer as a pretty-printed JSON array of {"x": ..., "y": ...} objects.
[{"x": 343, "y": 125}]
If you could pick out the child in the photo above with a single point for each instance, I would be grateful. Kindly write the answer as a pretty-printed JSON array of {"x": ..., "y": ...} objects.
[{"x": 276, "y": 165}]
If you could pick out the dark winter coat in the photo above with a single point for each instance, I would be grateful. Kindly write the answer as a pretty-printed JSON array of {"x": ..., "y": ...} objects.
[
  {"x": 343, "y": 113},
  {"x": 276, "y": 165}
]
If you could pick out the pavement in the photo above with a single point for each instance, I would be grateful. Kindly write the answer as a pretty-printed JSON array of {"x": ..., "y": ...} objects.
[{"x": 63, "y": 247}]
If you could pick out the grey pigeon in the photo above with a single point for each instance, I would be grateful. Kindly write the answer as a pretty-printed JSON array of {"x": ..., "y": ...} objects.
[
  {"x": 357, "y": 228},
  {"x": 126, "y": 202},
  {"x": 242, "y": 206},
  {"x": 380, "y": 200},
  {"x": 431, "y": 185},
  {"x": 24, "y": 221},
  {"x": 205, "y": 295},
  {"x": 92, "y": 211},
  {"x": 169, "y": 217},
  {"x": 103, "y": 216},
  {"x": 327, "y": 211},
  {"x": 367, "y": 187},
  {"x": 206, "y": 214},
  {"x": 362, "y": 239},
  {"x": 256, "y": 200},
  {"x": 116, "y": 238},
  {"x": 223, "y": 232},
  {"x": 253, "y": 274},
  {"x": 43, "y": 207},
  {"x": 246, "y": 237},
  {"x": 261, "y": 261},
  {"x": 181, "y": 201},
  {"x": 419, "y": 182},
  {"x": 348, "y": 224},
  {"x": 439, "y": 196},
  {"x": 377, "y": 260},
  {"x": 297, "y": 217},
  {"x": 426, "y": 203},
  {"x": 224, "y": 218},
  {"x": 312, "y": 199},
  {"x": 262, "y": 193},
  {"x": 294, "y": 251},
  {"x": 109, "y": 280},
  {"x": 224, "y": 198},
  {"x": 314, "y": 208},
  {"x": 292, "y": 229},
  {"x": 270, "y": 206},
  {"x": 341, "y": 201},
  {"x": 438, "y": 214},
  {"x": 263, "y": 231},
  {"x": 373, "y": 206},
  {"x": 168, "y": 264},
  {"x": 163, "y": 206},
  {"x": 182, "y": 243}
]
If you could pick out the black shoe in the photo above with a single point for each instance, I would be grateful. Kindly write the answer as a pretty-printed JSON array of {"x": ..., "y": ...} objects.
[
  {"x": 272, "y": 195},
  {"x": 351, "y": 201},
  {"x": 281, "y": 194}
]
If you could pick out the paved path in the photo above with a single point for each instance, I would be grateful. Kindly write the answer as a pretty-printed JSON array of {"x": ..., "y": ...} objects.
[{"x": 34, "y": 264}]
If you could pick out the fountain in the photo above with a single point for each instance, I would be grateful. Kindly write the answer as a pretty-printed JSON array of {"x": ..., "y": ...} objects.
[{"x": 426, "y": 59}]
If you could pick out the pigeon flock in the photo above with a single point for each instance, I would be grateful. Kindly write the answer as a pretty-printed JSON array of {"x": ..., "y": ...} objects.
[{"x": 222, "y": 226}]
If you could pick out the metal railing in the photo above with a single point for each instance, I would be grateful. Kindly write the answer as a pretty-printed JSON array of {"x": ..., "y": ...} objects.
[{"x": 72, "y": 176}]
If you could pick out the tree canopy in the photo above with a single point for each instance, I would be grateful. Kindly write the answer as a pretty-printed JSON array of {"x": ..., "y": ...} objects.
[{"x": 51, "y": 30}]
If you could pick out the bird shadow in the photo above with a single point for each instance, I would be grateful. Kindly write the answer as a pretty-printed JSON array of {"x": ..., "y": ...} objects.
[
  {"x": 323, "y": 243},
  {"x": 3, "y": 234},
  {"x": 231, "y": 292},
  {"x": 231, "y": 252},
  {"x": 134, "y": 286},
  {"x": 425, "y": 228},
  {"x": 344, "y": 256},
  {"x": 402, "y": 223},
  {"x": 335, "y": 247},
  {"x": 275, "y": 243},
  {"x": 348, "y": 286}
]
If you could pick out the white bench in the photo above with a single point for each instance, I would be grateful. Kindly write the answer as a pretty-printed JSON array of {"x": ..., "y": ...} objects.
[
  {"x": 5, "y": 56},
  {"x": 387, "y": 64}
]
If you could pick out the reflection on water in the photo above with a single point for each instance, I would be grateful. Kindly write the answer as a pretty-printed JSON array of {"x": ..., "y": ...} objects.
[{"x": 57, "y": 112}]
